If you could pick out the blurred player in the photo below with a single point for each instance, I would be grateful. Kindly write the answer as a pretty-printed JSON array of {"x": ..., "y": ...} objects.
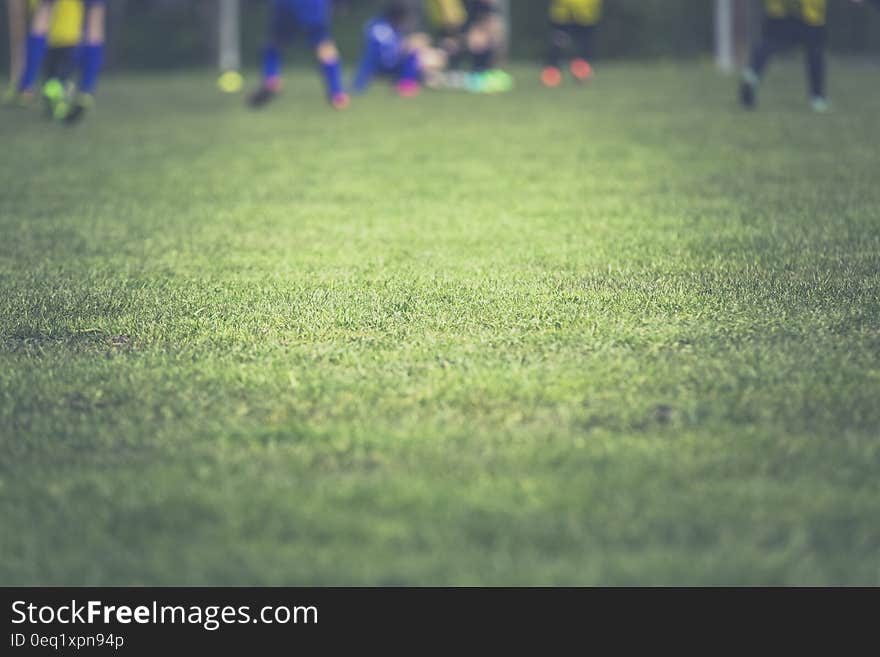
[
  {"x": 90, "y": 59},
  {"x": 448, "y": 19},
  {"x": 387, "y": 53},
  {"x": 572, "y": 26},
  {"x": 484, "y": 33},
  {"x": 313, "y": 18},
  {"x": 62, "y": 54},
  {"x": 474, "y": 28},
  {"x": 790, "y": 23}
]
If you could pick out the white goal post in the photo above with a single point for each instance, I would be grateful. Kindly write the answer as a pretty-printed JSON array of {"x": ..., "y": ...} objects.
[
  {"x": 229, "y": 37},
  {"x": 732, "y": 23}
]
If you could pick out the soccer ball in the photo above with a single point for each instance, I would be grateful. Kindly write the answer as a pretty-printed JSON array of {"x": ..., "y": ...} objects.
[{"x": 230, "y": 82}]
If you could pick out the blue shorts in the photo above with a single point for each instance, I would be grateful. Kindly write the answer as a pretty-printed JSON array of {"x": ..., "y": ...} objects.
[{"x": 287, "y": 17}]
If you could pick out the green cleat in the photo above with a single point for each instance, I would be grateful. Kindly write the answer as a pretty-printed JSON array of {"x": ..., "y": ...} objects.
[
  {"x": 498, "y": 81},
  {"x": 53, "y": 97}
]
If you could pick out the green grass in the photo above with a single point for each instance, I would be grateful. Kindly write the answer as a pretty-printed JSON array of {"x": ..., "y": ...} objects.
[{"x": 616, "y": 335}]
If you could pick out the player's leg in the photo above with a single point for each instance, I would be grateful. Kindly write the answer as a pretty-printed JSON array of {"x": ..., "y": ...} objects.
[
  {"x": 581, "y": 66},
  {"x": 409, "y": 74},
  {"x": 485, "y": 40},
  {"x": 57, "y": 71},
  {"x": 35, "y": 51},
  {"x": 314, "y": 16},
  {"x": 91, "y": 59},
  {"x": 282, "y": 23},
  {"x": 481, "y": 35},
  {"x": 330, "y": 62},
  {"x": 774, "y": 35},
  {"x": 560, "y": 37},
  {"x": 18, "y": 28},
  {"x": 814, "y": 41}
]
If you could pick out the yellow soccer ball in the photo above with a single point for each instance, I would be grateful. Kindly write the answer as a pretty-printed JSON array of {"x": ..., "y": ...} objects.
[{"x": 230, "y": 82}]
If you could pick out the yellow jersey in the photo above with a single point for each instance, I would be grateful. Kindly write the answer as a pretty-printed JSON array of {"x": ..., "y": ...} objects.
[
  {"x": 67, "y": 23},
  {"x": 811, "y": 12},
  {"x": 446, "y": 13},
  {"x": 580, "y": 12}
]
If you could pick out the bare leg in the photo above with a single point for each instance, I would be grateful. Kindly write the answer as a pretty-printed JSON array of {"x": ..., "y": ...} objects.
[{"x": 17, "y": 31}]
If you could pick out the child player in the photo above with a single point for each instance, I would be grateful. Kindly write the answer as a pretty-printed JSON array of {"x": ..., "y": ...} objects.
[
  {"x": 62, "y": 54},
  {"x": 572, "y": 25},
  {"x": 90, "y": 56},
  {"x": 313, "y": 18},
  {"x": 448, "y": 19},
  {"x": 474, "y": 28},
  {"x": 790, "y": 23},
  {"x": 387, "y": 53}
]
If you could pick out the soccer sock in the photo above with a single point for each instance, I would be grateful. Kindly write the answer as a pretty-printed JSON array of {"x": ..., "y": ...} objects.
[
  {"x": 816, "y": 72},
  {"x": 92, "y": 60},
  {"x": 410, "y": 71},
  {"x": 332, "y": 72},
  {"x": 36, "y": 51},
  {"x": 271, "y": 67},
  {"x": 554, "y": 50}
]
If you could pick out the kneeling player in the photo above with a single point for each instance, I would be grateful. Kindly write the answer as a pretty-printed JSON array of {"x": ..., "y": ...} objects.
[
  {"x": 447, "y": 19},
  {"x": 91, "y": 54},
  {"x": 484, "y": 33},
  {"x": 313, "y": 18},
  {"x": 789, "y": 23},
  {"x": 387, "y": 53},
  {"x": 572, "y": 26}
]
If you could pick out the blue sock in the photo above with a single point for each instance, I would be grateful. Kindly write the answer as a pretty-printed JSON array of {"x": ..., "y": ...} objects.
[
  {"x": 36, "y": 51},
  {"x": 92, "y": 58},
  {"x": 410, "y": 70},
  {"x": 271, "y": 64},
  {"x": 333, "y": 76}
]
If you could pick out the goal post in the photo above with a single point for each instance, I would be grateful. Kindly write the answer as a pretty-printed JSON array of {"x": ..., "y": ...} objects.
[
  {"x": 229, "y": 37},
  {"x": 732, "y": 29}
]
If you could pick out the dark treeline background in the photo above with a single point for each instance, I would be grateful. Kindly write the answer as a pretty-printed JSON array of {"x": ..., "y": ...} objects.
[{"x": 181, "y": 33}]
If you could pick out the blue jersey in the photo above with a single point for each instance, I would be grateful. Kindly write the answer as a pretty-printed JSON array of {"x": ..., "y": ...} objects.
[{"x": 384, "y": 52}]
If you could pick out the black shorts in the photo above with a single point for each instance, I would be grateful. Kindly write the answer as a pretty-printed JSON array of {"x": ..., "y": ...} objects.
[{"x": 789, "y": 32}]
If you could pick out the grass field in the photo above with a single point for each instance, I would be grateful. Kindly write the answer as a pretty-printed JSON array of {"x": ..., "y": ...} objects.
[{"x": 616, "y": 335}]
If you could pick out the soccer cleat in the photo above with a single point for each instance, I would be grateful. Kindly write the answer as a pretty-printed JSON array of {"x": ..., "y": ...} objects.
[
  {"x": 53, "y": 98},
  {"x": 497, "y": 81},
  {"x": 820, "y": 105},
  {"x": 551, "y": 77},
  {"x": 581, "y": 70},
  {"x": 24, "y": 98},
  {"x": 81, "y": 104},
  {"x": 10, "y": 96},
  {"x": 748, "y": 89},
  {"x": 262, "y": 97},
  {"x": 340, "y": 101},
  {"x": 408, "y": 88},
  {"x": 476, "y": 82}
]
